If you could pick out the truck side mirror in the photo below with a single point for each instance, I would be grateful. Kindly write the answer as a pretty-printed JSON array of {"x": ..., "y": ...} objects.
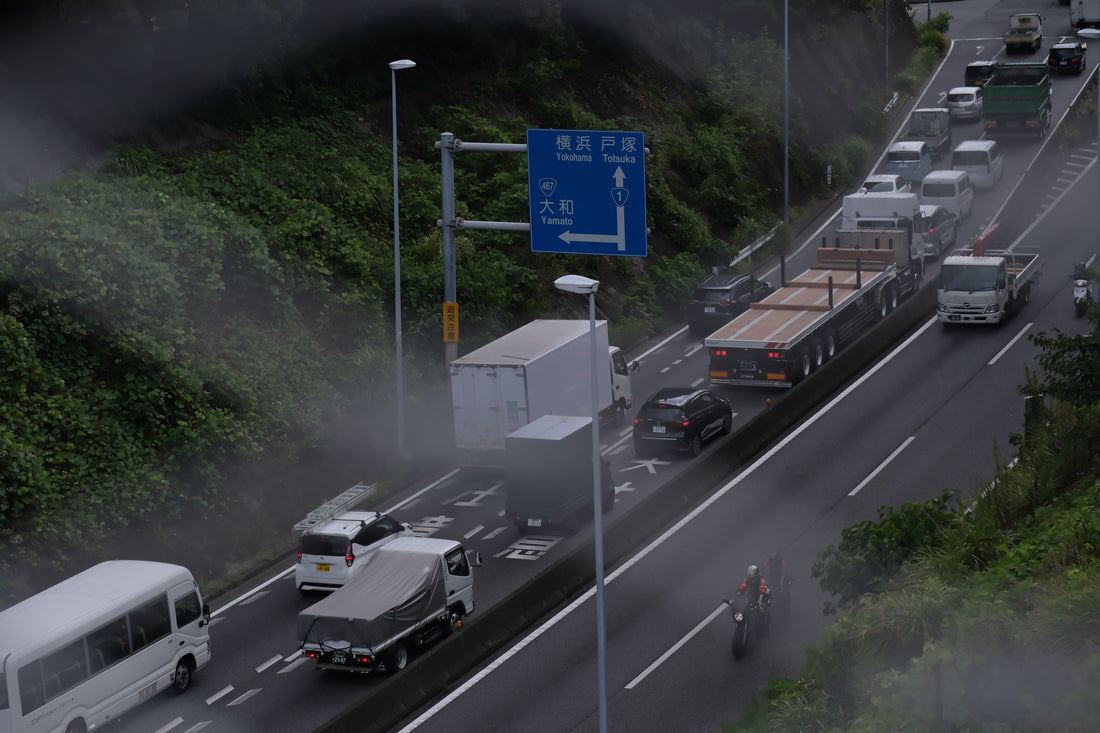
[
  {"x": 475, "y": 558},
  {"x": 634, "y": 366}
]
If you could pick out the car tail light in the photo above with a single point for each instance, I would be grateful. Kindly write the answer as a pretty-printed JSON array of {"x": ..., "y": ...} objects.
[
  {"x": 728, "y": 302},
  {"x": 349, "y": 555},
  {"x": 300, "y": 551},
  {"x": 685, "y": 423},
  {"x": 637, "y": 421}
]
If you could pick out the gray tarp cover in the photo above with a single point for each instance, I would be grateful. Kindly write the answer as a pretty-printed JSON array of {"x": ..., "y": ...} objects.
[{"x": 394, "y": 591}]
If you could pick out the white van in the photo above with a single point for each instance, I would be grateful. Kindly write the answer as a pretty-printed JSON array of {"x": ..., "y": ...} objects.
[
  {"x": 912, "y": 160},
  {"x": 981, "y": 159},
  {"x": 950, "y": 189}
]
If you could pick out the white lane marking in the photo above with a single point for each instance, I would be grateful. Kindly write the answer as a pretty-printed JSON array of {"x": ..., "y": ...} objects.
[
  {"x": 294, "y": 665},
  {"x": 473, "y": 531},
  {"x": 244, "y": 697},
  {"x": 291, "y": 657},
  {"x": 253, "y": 598},
  {"x": 274, "y": 660},
  {"x": 699, "y": 381},
  {"x": 695, "y": 347},
  {"x": 494, "y": 533},
  {"x": 672, "y": 650},
  {"x": 661, "y": 345},
  {"x": 170, "y": 726},
  {"x": 1009, "y": 344},
  {"x": 881, "y": 466},
  {"x": 198, "y": 726},
  {"x": 591, "y": 592},
  {"x": 219, "y": 695},
  {"x": 664, "y": 370}
]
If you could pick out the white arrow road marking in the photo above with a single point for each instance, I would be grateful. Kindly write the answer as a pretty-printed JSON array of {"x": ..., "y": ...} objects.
[{"x": 649, "y": 464}]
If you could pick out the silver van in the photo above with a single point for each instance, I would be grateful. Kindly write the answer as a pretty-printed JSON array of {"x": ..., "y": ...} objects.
[
  {"x": 912, "y": 160},
  {"x": 981, "y": 159},
  {"x": 950, "y": 189}
]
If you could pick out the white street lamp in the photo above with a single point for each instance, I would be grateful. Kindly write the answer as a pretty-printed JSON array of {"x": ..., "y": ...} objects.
[
  {"x": 587, "y": 286},
  {"x": 396, "y": 66},
  {"x": 1095, "y": 34}
]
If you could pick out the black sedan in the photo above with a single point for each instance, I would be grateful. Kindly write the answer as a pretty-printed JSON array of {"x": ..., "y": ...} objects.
[{"x": 680, "y": 418}]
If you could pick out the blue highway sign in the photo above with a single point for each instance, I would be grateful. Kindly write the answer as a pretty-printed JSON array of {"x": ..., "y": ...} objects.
[{"x": 587, "y": 192}]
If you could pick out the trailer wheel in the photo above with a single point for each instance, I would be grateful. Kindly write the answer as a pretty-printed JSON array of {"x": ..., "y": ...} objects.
[
  {"x": 397, "y": 658},
  {"x": 805, "y": 366},
  {"x": 830, "y": 345},
  {"x": 819, "y": 354}
]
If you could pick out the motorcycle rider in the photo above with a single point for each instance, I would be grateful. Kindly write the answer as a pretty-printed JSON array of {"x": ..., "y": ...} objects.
[
  {"x": 757, "y": 587},
  {"x": 778, "y": 568}
]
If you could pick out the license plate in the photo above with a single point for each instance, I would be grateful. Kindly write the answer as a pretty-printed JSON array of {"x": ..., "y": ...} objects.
[
  {"x": 324, "y": 567},
  {"x": 658, "y": 428},
  {"x": 748, "y": 366},
  {"x": 534, "y": 522},
  {"x": 339, "y": 657},
  {"x": 708, "y": 309}
]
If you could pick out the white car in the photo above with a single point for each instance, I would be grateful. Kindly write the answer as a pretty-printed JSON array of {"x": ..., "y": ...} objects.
[
  {"x": 965, "y": 102},
  {"x": 332, "y": 551},
  {"x": 885, "y": 183}
]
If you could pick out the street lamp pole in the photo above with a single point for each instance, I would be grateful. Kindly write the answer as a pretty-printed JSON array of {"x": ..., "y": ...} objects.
[
  {"x": 588, "y": 286},
  {"x": 1094, "y": 34},
  {"x": 396, "y": 66}
]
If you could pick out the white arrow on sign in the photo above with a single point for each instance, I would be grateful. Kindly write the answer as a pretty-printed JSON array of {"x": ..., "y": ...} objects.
[{"x": 619, "y": 195}]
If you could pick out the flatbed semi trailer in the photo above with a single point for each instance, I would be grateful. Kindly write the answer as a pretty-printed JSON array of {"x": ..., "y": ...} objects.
[{"x": 860, "y": 276}]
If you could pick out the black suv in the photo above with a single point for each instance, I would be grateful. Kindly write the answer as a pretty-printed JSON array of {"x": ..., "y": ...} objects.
[
  {"x": 720, "y": 297},
  {"x": 978, "y": 73},
  {"x": 1067, "y": 56},
  {"x": 680, "y": 418}
]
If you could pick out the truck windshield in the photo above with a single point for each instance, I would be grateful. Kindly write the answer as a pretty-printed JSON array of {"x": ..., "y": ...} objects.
[{"x": 968, "y": 277}]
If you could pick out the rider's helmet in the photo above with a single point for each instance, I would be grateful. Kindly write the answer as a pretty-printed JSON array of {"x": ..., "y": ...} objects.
[{"x": 753, "y": 571}]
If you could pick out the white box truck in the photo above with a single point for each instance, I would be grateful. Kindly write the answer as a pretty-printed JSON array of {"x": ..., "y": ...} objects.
[
  {"x": 413, "y": 591},
  {"x": 542, "y": 368}
]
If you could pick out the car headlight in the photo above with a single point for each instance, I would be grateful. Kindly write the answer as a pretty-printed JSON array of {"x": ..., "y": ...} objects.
[
  {"x": 738, "y": 616},
  {"x": 992, "y": 308},
  {"x": 941, "y": 307}
]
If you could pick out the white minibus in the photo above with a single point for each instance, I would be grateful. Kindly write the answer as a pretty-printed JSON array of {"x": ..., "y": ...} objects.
[{"x": 88, "y": 649}]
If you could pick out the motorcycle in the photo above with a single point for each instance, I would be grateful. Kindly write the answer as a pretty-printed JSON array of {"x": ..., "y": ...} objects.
[
  {"x": 749, "y": 621},
  {"x": 1082, "y": 290},
  {"x": 781, "y": 596}
]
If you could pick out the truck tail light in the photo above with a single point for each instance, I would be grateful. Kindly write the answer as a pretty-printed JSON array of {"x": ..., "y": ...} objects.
[
  {"x": 777, "y": 355},
  {"x": 718, "y": 352}
]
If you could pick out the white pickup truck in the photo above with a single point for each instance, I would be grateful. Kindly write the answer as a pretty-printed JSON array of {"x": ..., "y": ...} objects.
[{"x": 985, "y": 287}]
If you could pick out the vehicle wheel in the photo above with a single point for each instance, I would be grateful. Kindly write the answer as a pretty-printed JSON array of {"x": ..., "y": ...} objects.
[
  {"x": 819, "y": 354},
  {"x": 76, "y": 726},
  {"x": 830, "y": 345},
  {"x": 181, "y": 680},
  {"x": 454, "y": 620},
  {"x": 727, "y": 424},
  {"x": 397, "y": 658},
  {"x": 805, "y": 366},
  {"x": 1025, "y": 296},
  {"x": 608, "y": 502},
  {"x": 695, "y": 447}
]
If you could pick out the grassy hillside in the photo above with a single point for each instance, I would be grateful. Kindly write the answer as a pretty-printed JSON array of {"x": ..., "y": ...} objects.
[{"x": 197, "y": 325}]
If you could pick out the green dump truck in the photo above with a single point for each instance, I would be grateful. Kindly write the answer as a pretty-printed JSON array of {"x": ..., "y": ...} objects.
[{"x": 1017, "y": 100}]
